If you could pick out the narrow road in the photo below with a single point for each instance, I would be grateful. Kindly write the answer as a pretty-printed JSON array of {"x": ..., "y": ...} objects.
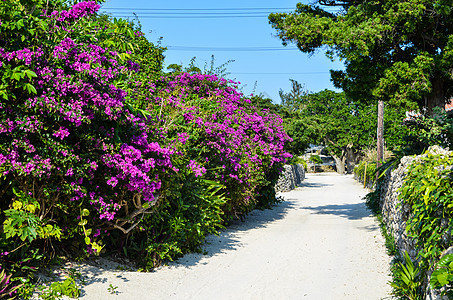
[{"x": 321, "y": 243}]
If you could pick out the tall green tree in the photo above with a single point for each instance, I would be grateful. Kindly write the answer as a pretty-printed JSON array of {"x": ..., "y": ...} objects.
[
  {"x": 294, "y": 99},
  {"x": 345, "y": 126},
  {"x": 397, "y": 51}
]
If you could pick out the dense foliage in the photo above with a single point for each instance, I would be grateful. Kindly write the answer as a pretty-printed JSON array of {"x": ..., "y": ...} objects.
[
  {"x": 398, "y": 51},
  {"x": 425, "y": 131},
  {"x": 427, "y": 189},
  {"x": 99, "y": 151},
  {"x": 366, "y": 172},
  {"x": 427, "y": 192},
  {"x": 345, "y": 126}
]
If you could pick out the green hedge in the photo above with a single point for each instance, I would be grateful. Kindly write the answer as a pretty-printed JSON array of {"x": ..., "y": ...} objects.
[{"x": 365, "y": 172}]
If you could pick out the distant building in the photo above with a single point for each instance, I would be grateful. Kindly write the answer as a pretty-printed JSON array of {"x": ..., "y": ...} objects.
[
  {"x": 327, "y": 160},
  {"x": 449, "y": 107},
  {"x": 414, "y": 114}
]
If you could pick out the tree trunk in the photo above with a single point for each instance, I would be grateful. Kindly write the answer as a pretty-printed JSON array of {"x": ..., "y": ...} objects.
[
  {"x": 437, "y": 96},
  {"x": 351, "y": 158},
  {"x": 340, "y": 163},
  {"x": 380, "y": 133}
]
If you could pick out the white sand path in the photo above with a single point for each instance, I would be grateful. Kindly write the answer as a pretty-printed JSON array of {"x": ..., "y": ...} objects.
[{"x": 321, "y": 243}]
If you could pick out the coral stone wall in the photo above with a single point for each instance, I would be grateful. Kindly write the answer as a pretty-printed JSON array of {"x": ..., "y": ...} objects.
[
  {"x": 291, "y": 176},
  {"x": 395, "y": 212}
]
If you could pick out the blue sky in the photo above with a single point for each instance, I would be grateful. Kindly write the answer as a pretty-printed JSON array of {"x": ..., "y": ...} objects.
[{"x": 175, "y": 22}]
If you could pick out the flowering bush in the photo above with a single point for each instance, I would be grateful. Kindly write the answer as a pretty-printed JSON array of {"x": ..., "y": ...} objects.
[
  {"x": 69, "y": 147},
  {"x": 7, "y": 289},
  {"x": 98, "y": 149},
  {"x": 218, "y": 132},
  {"x": 220, "y": 142}
]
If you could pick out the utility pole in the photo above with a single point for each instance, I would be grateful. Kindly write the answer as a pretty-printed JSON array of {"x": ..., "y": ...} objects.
[{"x": 380, "y": 133}]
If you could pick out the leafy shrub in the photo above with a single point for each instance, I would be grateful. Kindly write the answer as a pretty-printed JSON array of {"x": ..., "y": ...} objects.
[
  {"x": 442, "y": 277},
  {"x": 56, "y": 290},
  {"x": 407, "y": 281},
  {"x": 425, "y": 131},
  {"x": 366, "y": 172},
  {"x": 68, "y": 143},
  {"x": 298, "y": 160},
  {"x": 181, "y": 222},
  {"x": 304, "y": 163},
  {"x": 372, "y": 201},
  {"x": 99, "y": 152},
  {"x": 427, "y": 189},
  {"x": 316, "y": 159},
  {"x": 216, "y": 128}
]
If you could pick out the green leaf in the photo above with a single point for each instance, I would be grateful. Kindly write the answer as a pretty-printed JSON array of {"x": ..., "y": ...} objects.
[
  {"x": 20, "y": 24},
  {"x": 30, "y": 74},
  {"x": 16, "y": 76},
  {"x": 31, "y": 89},
  {"x": 442, "y": 278}
]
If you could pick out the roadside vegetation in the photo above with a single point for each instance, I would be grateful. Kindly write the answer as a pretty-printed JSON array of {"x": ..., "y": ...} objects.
[
  {"x": 101, "y": 152},
  {"x": 399, "y": 53}
]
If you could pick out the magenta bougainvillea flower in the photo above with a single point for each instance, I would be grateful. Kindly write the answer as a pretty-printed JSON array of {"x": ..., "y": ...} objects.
[{"x": 85, "y": 130}]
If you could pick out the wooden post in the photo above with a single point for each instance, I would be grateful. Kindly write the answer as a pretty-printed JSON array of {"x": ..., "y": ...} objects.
[
  {"x": 364, "y": 176},
  {"x": 380, "y": 136}
]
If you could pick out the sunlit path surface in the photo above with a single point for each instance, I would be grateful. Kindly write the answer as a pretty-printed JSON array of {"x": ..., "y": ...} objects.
[{"x": 321, "y": 243}]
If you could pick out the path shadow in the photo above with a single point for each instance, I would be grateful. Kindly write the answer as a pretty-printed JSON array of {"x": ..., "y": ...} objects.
[
  {"x": 99, "y": 270},
  {"x": 229, "y": 238},
  {"x": 307, "y": 184},
  {"x": 355, "y": 211}
]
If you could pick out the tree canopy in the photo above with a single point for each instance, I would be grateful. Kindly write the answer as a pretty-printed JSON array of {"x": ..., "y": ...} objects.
[
  {"x": 396, "y": 51},
  {"x": 346, "y": 127}
]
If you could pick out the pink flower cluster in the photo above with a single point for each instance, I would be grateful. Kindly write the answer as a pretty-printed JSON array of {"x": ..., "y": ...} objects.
[
  {"x": 78, "y": 11},
  {"x": 134, "y": 170},
  {"x": 61, "y": 133},
  {"x": 230, "y": 133},
  {"x": 196, "y": 168},
  {"x": 76, "y": 126}
]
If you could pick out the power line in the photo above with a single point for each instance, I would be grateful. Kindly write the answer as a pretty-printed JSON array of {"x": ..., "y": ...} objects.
[
  {"x": 160, "y": 16},
  {"x": 189, "y": 17},
  {"x": 198, "y": 9},
  {"x": 244, "y": 49},
  {"x": 280, "y": 73},
  {"x": 201, "y": 14},
  {"x": 194, "y": 13}
]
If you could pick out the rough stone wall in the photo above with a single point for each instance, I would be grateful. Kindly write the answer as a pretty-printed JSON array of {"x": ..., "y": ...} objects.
[
  {"x": 291, "y": 176},
  {"x": 395, "y": 213}
]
